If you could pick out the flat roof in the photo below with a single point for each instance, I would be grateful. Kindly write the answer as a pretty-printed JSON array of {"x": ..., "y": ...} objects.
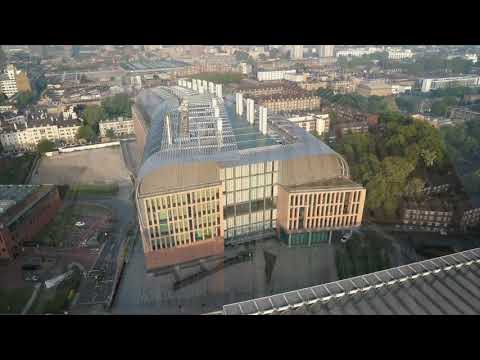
[
  {"x": 337, "y": 183},
  {"x": 17, "y": 199}
]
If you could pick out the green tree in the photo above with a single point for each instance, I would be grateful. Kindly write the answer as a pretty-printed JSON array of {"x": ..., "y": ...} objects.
[
  {"x": 25, "y": 99},
  {"x": 45, "y": 146},
  {"x": 387, "y": 186},
  {"x": 92, "y": 115},
  {"x": 110, "y": 133},
  {"x": 414, "y": 186},
  {"x": 3, "y": 98},
  {"x": 118, "y": 105},
  {"x": 86, "y": 132}
]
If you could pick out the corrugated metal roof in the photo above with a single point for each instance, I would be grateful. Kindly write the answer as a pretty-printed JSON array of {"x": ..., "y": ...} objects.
[{"x": 291, "y": 141}]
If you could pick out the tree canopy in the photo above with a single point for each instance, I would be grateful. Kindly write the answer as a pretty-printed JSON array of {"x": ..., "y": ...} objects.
[
  {"x": 25, "y": 99},
  {"x": 393, "y": 163},
  {"x": 118, "y": 105},
  {"x": 435, "y": 64},
  {"x": 86, "y": 132},
  {"x": 370, "y": 104},
  {"x": 45, "y": 146}
]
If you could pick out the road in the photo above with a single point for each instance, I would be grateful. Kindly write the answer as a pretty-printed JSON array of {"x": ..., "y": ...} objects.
[{"x": 98, "y": 284}]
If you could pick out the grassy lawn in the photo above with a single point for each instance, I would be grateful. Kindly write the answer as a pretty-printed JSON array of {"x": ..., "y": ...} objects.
[
  {"x": 16, "y": 170},
  {"x": 94, "y": 189},
  {"x": 12, "y": 301}
]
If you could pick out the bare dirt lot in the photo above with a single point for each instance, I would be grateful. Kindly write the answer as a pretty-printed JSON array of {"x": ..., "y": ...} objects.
[{"x": 83, "y": 167}]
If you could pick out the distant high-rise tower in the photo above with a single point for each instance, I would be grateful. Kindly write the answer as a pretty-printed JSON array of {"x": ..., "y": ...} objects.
[
  {"x": 325, "y": 50},
  {"x": 296, "y": 52}
]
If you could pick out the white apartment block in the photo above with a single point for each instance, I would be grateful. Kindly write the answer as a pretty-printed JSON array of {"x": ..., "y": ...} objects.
[
  {"x": 399, "y": 54},
  {"x": 296, "y": 52},
  {"x": 24, "y": 137},
  {"x": 457, "y": 81},
  {"x": 274, "y": 75},
  {"x": 121, "y": 126},
  {"x": 325, "y": 50},
  {"x": 8, "y": 82},
  {"x": 357, "y": 52},
  {"x": 69, "y": 113},
  {"x": 314, "y": 123},
  {"x": 296, "y": 77}
]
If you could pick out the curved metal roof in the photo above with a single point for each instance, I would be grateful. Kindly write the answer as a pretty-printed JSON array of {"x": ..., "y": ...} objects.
[{"x": 159, "y": 101}]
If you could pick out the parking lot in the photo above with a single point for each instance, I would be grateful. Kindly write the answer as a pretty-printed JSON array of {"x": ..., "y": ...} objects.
[{"x": 103, "y": 165}]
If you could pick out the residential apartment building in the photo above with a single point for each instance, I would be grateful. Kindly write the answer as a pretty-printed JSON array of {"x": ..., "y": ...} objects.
[
  {"x": 267, "y": 89},
  {"x": 443, "y": 210},
  {"x": 288, "y": 103},
  {"x": 374, "y": 88},
  {"x": 427, "y": 85},
  {"x": 318, "y": 124},
  {"x": 273, "y": 75},
  {"x": 24, "y": 211},
  {"x": 325, "y": 51},
  {"x": 230, "y": 181},
  {"x": 313, "y": 85},
  {"x": 13, "y": 81},
  {"x": 25, "y": 132},
  {"x": 120, "y": 126},
  {"x": 399, "y": 54},
  {"x": 296, "y": 52},
  {"x": 433, "y": 213},
  {"x": 357, "y": 52}
]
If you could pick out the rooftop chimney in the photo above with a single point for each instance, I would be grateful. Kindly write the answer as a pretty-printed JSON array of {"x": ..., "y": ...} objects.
[
  {"x": 218, "y": 90},
  {"x": 250, "y": 111},
  {"x": 167, "y": 126},
  {"x": 262, "y": 119},
  {"x": 239, "y": 103}
]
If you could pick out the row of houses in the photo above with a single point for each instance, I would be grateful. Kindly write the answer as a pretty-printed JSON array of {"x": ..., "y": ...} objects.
[{"x": 24, "y": 132}]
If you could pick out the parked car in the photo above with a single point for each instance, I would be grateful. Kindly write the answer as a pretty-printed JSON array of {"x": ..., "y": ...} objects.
[
  {"x": 346, "y": 236},
  {"x": 79, "y": 224}
]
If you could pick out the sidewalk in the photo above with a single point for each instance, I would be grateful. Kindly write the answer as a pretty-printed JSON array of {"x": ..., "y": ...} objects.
[{"x": 32, "y": 299}]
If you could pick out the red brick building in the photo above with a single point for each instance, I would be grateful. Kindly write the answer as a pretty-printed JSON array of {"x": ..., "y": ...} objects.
[{"x": 24, "y": 211}]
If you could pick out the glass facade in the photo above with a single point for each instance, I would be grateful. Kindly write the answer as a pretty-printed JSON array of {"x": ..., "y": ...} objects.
[
  {"x": 250, "y": 198},
  {"x": 305, "y": 239},
  {"x": 184, "y": 218}
]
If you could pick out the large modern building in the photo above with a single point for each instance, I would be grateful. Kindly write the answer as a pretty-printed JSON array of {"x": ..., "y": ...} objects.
[
  {"x": 24, "y": 211},
  {"x": 439, "y": 83},
  {"x": 209, "y": 178},
  {"x": 296, "y": 52},
  {"x": 325, "y": 51}
]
